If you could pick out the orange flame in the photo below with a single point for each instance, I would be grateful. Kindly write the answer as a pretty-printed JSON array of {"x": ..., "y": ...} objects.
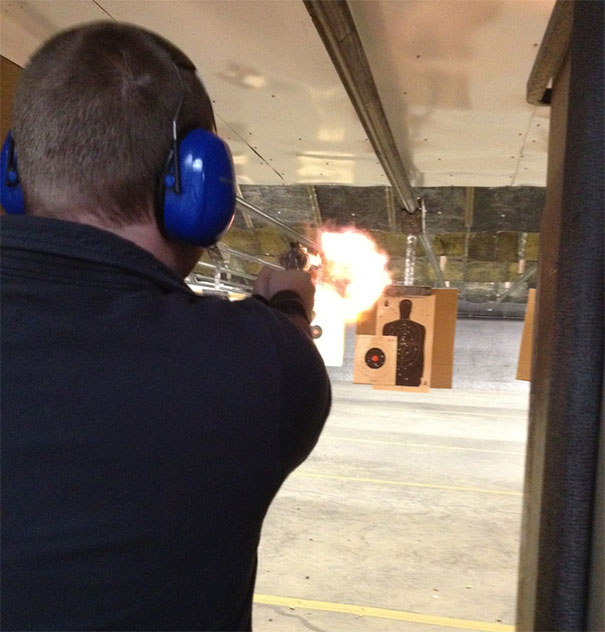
[{"x": 353, "y": 274}]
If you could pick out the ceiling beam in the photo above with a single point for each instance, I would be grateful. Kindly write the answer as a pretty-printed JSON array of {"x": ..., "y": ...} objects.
[{"x": 336, "y": 27}]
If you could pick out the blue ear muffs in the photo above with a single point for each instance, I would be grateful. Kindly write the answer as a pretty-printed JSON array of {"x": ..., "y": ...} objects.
[
  {"x": 197, "y": 202},
  {"x": 11, "y": 194},
  {"x": 197, "y": 192}
]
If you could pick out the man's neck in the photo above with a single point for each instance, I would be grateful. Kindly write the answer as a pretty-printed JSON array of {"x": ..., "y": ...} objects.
[{"x": 178, "y": 256}]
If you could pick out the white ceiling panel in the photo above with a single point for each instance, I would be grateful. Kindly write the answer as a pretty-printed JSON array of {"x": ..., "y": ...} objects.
[
  {"x": 451, "y": 75},
  {"x": 278, "y": 100},
  {"x": 25, "y": 25}
]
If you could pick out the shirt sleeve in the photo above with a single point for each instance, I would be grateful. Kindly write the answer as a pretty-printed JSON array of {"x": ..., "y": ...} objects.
[
  {"x": 290, "y": 304},
  {"x": 306, "y": 386}
]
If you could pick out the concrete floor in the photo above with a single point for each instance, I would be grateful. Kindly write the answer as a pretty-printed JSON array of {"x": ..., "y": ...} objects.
[{"x": 405, "y": 517}]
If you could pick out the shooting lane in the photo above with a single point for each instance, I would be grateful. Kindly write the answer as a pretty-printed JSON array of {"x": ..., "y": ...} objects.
[{"x": 406, "y": 516}]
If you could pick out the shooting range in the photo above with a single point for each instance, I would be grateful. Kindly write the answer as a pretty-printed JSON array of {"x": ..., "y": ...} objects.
[{"x": 457, "y": 483}]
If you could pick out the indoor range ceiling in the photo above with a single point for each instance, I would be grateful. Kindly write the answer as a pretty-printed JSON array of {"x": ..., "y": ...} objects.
[{"x": 301, "y": 97}]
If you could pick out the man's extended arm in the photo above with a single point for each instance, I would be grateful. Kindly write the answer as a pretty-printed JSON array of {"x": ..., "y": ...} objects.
[
  {"x": 290, "y": 291},
  {"x": 308, "y": 393}
]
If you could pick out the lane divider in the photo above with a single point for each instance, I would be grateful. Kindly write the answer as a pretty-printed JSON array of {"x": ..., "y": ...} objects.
[
  {"x": 419, "y": 445},
  {"x": 381, "y": 613},
  {"x": 381, "y": 481}
]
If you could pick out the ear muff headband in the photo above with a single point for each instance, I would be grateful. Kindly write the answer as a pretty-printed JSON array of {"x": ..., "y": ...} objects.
[
  {"x": 204, "y": 207},
  {"x": 11, "y": 194}
]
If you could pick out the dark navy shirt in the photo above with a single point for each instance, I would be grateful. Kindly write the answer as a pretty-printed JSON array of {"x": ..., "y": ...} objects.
[{"x": 145, "y": 431}]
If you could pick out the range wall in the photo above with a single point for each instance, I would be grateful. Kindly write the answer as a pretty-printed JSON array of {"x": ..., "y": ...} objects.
[{"x": 486, "y": 353}]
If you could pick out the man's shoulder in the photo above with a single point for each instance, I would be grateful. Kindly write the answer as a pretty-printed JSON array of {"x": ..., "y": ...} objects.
[{"x": 213, "y": 312}]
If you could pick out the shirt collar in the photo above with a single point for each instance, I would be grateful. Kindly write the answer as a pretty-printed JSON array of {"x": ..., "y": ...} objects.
[{"x": 87, "y": 243}]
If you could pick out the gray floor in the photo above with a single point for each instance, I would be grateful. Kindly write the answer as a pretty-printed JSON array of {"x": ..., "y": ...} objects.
[{"x": 405, "y": 517}]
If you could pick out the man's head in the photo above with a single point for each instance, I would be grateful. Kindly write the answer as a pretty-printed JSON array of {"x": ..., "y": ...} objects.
[{"x": 93, "y": 122}]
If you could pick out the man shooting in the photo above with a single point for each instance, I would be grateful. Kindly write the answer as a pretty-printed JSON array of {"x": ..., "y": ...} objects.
[{"x": 145, "y": 430}]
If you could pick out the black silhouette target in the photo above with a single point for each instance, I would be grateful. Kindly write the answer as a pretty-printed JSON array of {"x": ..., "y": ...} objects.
[
  {"x": 410, "y": 342},
  {"x": 375, "y": 358},
  {"x": 410, "y": 346}
]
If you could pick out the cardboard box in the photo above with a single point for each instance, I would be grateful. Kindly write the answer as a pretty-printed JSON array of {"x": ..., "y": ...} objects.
[
  {"x": 446, "y": 312},
  {"x": 527, "y": 339}
]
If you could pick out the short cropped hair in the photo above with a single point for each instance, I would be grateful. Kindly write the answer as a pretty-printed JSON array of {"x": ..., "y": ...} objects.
[{"x": 93, "y": 118}]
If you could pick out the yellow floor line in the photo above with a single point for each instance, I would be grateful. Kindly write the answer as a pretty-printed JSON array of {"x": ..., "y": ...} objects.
[
  {"x": 382, "y": 613},
  {"x": 420, "y": 445},
  {"x": 381, "y": 481},
  {"x": 465, "y": 413}
]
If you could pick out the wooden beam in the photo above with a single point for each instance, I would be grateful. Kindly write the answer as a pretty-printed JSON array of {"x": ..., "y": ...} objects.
[
  {"x": 547, "y": 301},
  {"x": 551, "y": 53}
]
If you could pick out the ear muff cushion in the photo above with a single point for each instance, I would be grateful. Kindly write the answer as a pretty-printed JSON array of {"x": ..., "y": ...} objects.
[
  {"x": 204, "y": 208},
  {"x": 11, "y": 194}
]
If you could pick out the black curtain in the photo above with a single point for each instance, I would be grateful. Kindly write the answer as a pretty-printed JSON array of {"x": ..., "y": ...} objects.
[{"x": 572, "y": 444}]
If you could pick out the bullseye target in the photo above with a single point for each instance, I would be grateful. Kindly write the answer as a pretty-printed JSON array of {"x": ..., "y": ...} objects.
[
  {"x": 316, "y": 332},
  {"x": 375, "y": 360}
]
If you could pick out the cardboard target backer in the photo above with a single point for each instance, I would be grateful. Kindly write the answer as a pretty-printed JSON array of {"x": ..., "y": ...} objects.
[
  {"x": 427, "y": 311},
  {"x": 375, "y": 360}
]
